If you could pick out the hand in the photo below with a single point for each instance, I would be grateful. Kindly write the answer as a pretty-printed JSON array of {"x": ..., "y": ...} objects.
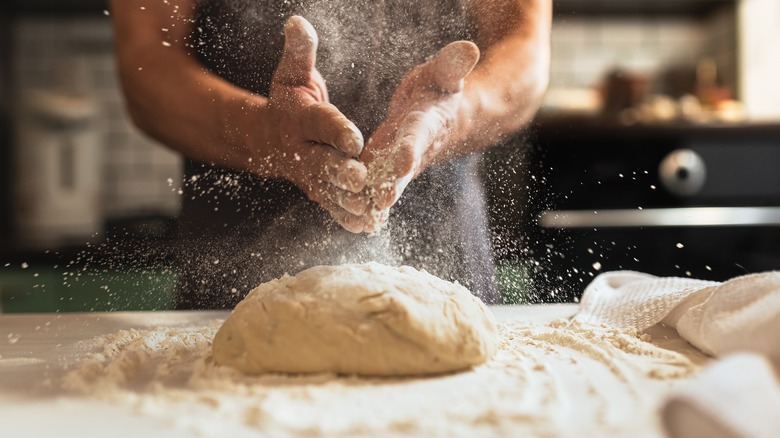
[
  {"x": 420, "y": 123},
  {"x": 315, "y": 145}
]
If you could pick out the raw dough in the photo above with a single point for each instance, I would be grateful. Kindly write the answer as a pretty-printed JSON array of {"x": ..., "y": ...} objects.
[{"x": 367, "y": 319}]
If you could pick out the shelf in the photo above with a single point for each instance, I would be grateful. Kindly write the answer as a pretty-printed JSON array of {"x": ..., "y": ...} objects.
[
  {"x": 575, "y": 126},
  {"x": 690, "y": 8}
]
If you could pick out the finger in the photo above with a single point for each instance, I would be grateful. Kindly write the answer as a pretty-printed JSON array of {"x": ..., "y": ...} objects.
[
  {"x": 350, "y": 222},
  {"x": 324, "y": 123},
  {"x": 415, "y": 136},
  {"x": 353, "y": 224},
  {"x": 388, "y": 193},
  {"x": 344, "y": 173},
  {"x": 321, "y": 194},
  {"x": 342, "y": 179},
  {"x": 380, "y": 219},
  {"x": 353, "y": 203},
  {"x": 299, "y": 54},
  {"x": 374, "y": 220},
  {"x": 452, "y": 64}
]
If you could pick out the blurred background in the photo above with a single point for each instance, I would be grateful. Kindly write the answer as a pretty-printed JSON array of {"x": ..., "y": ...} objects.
[{"x": 656, "y": 149}]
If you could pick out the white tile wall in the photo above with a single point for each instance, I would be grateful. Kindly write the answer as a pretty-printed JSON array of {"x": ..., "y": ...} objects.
[
  {"x": 76, "y": 54},
  {"x": 721, "y": 45},
  {"x": 760, "y": 58},
  {"x": 585, "y": 49}
]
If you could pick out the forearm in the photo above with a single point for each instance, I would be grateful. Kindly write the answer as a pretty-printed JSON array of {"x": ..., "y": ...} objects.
[
  {"x": 506, "y": 87},
  {"x": 173, "y": 98},
  {"x": 192, "y": 111}
]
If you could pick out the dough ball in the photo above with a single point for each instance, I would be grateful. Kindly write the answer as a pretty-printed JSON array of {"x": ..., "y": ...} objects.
[{"x": 367, "y": 319}]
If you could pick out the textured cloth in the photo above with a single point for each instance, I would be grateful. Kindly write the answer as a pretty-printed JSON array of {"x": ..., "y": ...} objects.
[
  {"x": 737, "y": 397},
  {"x": 628, "y": 299},
  {"x": 740, "y": 314}
]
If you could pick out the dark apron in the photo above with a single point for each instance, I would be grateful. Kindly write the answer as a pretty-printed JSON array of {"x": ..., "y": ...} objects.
[{"x": 238, "y": 230}]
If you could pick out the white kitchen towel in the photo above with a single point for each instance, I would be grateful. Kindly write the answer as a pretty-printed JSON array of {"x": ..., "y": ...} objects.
[
  {"x": 742, "y": 314},
  {"x": 736, "y": 397}
]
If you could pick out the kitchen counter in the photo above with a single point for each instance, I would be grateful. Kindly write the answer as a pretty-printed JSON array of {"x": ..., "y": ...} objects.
[
  {"x": 38, "y": 349},
  {"x": 38, "y": 346},
  {"x": 583, "y": 128}
]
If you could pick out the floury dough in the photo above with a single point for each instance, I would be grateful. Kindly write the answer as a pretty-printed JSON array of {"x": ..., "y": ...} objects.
[{"x": 367, "y": 319}]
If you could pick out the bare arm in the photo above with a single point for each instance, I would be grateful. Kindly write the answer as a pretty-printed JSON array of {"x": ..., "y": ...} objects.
[
  {"x": 507, "y": 85},
  {"x": 294, "y": 133},
  {"x": 170, "y": 95}
]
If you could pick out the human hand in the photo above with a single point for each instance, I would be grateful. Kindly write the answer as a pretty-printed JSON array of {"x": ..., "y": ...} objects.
[
  {"x": 420, "y": 123},
  {"x": 315, "y": 146}
]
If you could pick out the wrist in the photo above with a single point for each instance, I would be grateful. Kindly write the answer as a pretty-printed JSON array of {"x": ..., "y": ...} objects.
[{"x": 247, "y": 133}]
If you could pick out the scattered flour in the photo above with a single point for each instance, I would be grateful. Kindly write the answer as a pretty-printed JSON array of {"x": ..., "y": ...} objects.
[
  {"x": 17, "y": 361},
  {"x": 555, "y": 379}
]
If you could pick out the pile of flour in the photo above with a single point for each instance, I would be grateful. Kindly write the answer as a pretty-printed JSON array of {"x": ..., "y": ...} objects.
[{"x": 557, "y": 379}]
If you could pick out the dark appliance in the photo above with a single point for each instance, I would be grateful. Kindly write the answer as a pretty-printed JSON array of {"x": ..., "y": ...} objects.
[{"x": 670, "y": 200}]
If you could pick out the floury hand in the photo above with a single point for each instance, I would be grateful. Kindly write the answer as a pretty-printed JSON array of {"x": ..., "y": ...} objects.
[
  {"x": 420, "y": 120},
  {"x": 314, "y": 145}
]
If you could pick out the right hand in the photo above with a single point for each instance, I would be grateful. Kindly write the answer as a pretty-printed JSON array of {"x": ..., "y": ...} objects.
[
  {"x": 315, "y": 145},
  {"x": 421, "y": 125}
]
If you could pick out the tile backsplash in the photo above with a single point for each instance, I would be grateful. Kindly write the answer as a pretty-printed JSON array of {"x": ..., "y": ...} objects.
[
  {"x": 76, "y": 54},
  {"x": 584, "y": 49}
]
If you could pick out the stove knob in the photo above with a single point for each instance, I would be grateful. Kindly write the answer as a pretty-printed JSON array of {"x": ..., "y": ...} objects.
[{"x": 683, "y": 172}]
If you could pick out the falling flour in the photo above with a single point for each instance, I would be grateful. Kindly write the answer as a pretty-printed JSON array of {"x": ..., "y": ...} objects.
[{"x": 555, "y": 379}]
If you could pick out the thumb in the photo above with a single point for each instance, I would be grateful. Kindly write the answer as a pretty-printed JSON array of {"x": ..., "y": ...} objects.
[
  {"x": 452, "y": 64},
  {"x": 299, "y": 54}
]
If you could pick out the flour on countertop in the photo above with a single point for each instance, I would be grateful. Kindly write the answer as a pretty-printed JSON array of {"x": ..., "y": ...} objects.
[{"x": 556, "y": 379}]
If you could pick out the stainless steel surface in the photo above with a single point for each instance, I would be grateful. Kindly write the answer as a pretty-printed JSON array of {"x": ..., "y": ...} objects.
[{"x": 662, "y": 217}]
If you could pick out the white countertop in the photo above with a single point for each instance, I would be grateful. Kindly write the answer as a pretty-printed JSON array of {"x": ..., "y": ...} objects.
[{"x": 37, "y": 347}]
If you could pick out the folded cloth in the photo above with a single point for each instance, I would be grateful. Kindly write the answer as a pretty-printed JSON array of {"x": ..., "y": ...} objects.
[
  {"x": 736, "y": 397},
  {"x": 742, "y": 314}
]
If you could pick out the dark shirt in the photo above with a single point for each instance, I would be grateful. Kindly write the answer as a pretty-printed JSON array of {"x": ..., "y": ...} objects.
[{"x": 239, "y": 230}]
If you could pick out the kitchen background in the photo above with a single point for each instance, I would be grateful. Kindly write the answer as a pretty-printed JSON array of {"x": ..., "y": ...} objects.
[{"x": 77, "y": 179}]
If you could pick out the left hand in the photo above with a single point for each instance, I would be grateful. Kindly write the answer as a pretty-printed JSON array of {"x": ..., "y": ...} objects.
[{"x": 420, "y": 123}]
